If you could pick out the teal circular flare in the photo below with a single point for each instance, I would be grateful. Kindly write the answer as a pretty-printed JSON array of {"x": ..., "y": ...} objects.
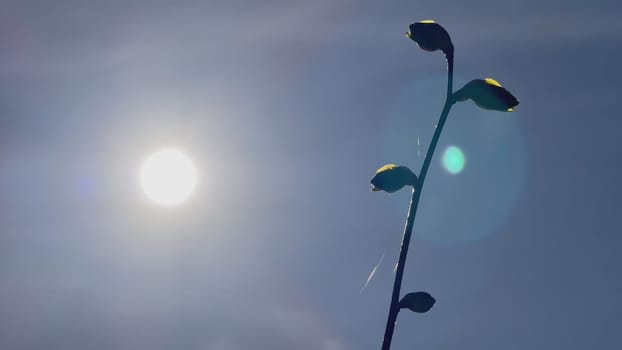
[
  {"x": 391, "y": 178},
  {"x": 453, "y": 160},
  {"x": 488, "y": 94}
]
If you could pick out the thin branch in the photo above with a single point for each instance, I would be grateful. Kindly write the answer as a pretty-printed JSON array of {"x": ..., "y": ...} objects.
[{"x": 412, "y": 211}]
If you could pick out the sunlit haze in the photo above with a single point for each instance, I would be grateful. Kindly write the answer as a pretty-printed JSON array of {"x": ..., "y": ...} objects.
[{"x": 194, "y": 175}]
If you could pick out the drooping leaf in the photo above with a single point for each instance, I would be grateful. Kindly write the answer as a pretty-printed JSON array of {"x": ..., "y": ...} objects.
[
  {"x": 488, "y": 94},
  {"x": 391, "y": 178},
  {"x": 430, "y": 36},
  {"x": 418, "y": 302}
]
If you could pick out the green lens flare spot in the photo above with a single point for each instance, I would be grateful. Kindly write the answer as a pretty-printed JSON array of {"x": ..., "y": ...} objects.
[{"x": 453, "y": 160}]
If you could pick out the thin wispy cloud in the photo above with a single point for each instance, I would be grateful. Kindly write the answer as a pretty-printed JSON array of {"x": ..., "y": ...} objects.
[{"x": 371, "y": 274}]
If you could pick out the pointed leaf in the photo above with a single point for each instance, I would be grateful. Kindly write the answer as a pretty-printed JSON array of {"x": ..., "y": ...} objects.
[
  {"x": 419, "y": 302},
  {"x": 487, "y": 94},
  {"x": 391, "y": 178}
]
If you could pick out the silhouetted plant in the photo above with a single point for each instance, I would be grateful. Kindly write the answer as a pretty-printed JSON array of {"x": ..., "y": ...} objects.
[
  {"x": 392, "y": 178},
  {"x": 486, "y": 93},
  {"x": 420, "y": 302}
]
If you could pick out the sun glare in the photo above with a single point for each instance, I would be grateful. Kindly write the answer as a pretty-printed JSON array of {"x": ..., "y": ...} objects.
[{"x": 168, "y": 177}]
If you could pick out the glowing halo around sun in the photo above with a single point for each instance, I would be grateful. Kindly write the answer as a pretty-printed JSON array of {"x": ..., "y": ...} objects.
[{"x": 168, "y": 177}]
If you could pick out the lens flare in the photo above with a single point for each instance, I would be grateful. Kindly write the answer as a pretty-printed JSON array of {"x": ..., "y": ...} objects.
[{"x": 453, "y": 160}]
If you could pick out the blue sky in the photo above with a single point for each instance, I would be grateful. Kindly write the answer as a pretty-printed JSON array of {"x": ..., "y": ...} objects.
[{"x": 288, "y": 108}]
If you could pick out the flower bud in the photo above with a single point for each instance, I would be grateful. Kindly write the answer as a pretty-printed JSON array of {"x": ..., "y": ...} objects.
[
  {"x": 391, "y": 178},
  {"x": 430, "y": 36}
]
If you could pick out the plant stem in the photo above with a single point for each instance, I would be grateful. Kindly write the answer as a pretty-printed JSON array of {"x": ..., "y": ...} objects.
[{"x": 412, "y": 211}]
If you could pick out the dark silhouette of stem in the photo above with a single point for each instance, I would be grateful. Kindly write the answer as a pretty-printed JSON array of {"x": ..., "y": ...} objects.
[{"x": 412, "y": 211}]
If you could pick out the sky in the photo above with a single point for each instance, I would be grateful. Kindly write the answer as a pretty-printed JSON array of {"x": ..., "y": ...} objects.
[{"x": 287, "y": 109}]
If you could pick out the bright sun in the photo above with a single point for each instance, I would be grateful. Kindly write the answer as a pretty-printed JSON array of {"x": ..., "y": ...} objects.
[{"x": 168, "y": 177}]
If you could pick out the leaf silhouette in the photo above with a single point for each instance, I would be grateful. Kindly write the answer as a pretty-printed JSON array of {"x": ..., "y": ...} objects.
[
  {"x": 430, "y": 36},
  {"x": 391, "y": 178},
  {"x": 419, "y": 302},
  {"x": 487, "y": 94}
]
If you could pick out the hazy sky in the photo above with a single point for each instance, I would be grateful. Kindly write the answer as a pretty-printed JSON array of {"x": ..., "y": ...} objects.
[{"x": 288, "y": 108}]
